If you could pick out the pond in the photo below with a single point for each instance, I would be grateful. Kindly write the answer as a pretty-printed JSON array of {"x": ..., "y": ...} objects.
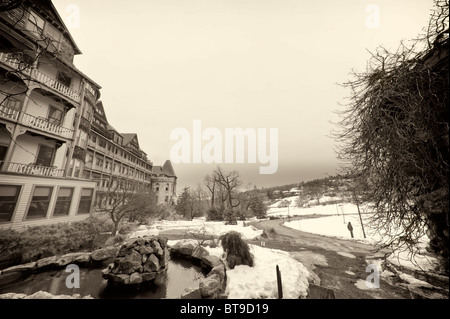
[{"x": 180, "y": 275}]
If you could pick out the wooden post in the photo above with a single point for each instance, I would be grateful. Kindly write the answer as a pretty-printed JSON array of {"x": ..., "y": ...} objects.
[
  {"x": 279, "y": 283},
  {"x": 359, "y": 213}
]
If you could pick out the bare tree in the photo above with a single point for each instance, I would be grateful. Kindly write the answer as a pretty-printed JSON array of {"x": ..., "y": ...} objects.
[
  {"x": 122, "y": 200},
  {"x": 393, "y": 134},
  {"x": 210, "y": 183},
  {"x": 230, "y": 181}
]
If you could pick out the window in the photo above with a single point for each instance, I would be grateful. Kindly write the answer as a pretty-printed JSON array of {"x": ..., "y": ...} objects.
[
  {"x": 55, "y": 116},
  {"x": 45, "y": 156},
  {"x": 35, "y": 23},
  {"x": 13, "y": 103},
  {"x": 52, "y": 32},
  {"x": 85, "y": 201},
  {"x": 102, "y": 142},
  {"x": 40, "y": 202},
  {"x": 167, "y": 187},
  {"x": 3, "y": 150},
  {"x": 157, "y": 187},
  {"x": 63, "y": 78},
  {"x": 8, "y": 201},
  {"x": 63, "y": 201}
]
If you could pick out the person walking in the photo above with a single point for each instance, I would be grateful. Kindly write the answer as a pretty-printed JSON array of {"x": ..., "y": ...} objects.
[{"x": 350, "y": 228}]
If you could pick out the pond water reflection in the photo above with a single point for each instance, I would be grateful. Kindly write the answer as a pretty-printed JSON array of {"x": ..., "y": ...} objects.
[{"x": 180, "y": 274}]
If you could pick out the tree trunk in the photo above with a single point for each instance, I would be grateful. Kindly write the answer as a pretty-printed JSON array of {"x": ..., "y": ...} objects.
[{"x": 116, "y": 228}]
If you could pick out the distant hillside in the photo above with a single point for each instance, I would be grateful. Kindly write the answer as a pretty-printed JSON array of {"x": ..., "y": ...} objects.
[{"x": 332, "y": 189}]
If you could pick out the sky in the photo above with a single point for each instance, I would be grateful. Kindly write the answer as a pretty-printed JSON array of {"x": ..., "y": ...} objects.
[{"x": 229, "y": 64}]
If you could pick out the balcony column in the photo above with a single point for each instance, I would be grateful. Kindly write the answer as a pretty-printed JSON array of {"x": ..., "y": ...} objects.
[
  {"x": 28, "y": 84},
  {"x": 75, "y": 131},
  {"x": 15, "y": 131}
]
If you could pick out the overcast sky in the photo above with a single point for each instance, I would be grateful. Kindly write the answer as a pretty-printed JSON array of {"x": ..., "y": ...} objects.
[{"x": 234, "y": 64}]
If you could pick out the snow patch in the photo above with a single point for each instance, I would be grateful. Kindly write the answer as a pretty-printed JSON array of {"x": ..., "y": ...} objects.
[{"x": 342, "y": 253}]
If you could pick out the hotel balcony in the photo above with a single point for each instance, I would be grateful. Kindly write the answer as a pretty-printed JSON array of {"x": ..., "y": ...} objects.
[
  {"x": 38, "y": 123},
  {"x": 31, "y": 169},
  {"x": 41, "y": 78}
]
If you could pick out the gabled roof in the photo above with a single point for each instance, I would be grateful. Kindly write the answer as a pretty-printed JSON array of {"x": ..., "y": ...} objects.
[
  {"x": 166, "y": 169},
  {"x": 128, "y": 137},
  {"x": 55, "y": 15},
  {"x": 100, "y": 111}
]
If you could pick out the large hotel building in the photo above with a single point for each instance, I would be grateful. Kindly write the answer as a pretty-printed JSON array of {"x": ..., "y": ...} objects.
[{"x": 58, "y": 153}]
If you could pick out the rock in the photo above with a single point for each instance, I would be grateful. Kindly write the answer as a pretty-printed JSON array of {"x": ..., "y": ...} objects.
[
  {"x": 183, "y": 248},
  {"x": 145, "y": 250},
  {"x": 103, "y": 253},
  {"x": 139, "y": 242},
  {"x": 163, "y": 242},
  {"x": 160, "y": 277},
  {"x": 192, "y": 292},
  {"x": 40, "y": 295},
  {"x": 218, "y": 270},
  {"x": 72, "y": 258},
  {"x": 138, "y": 260},
  {"x": 12, "y": 295},
  {"x": 135, "y": 278},
  {"x": 23, "y": 267},
  {"x": 47, "y": 262},
  {"x": 199, "y": 252},
  {"x": 211, "y": 261},
  {"x": 128, "y": 264},
  {"x": 152, "y": 264},
  {"x": 107, "y": 270},
  {"x": 210, "y": 286},
  {"x": 157, "y": 248},
  {"x": 119, "y": 278},
  {"x": 124, "y": 250},
  {"x": 148, "y": 276},
  {"x": 417, "y": 292}
]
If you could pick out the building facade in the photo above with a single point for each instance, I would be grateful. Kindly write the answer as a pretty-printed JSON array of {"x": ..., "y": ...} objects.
[
  {"x": 58, "y": 153},
  {"x": 164, "y": 183}
]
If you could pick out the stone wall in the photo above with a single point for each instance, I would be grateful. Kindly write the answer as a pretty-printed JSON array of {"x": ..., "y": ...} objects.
[
  {"x": 139, "y": 260},
  {"x": 214, "y": 284}
]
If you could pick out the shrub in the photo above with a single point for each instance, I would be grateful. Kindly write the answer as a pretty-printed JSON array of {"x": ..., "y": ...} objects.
[
  {"x": 49, "y": 240},
  {"x": 214, "y": 214},
  {"x": 236, "y": 249}
]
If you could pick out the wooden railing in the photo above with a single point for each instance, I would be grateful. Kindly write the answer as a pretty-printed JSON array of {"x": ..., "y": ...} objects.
[
  {"x": 32, "y": 169},
  {"x": 9, "y": 113},
  {"x": 45, "y": 125},
  {"x": 36, "y": 122},
  {"x": 39, "y": 77}
]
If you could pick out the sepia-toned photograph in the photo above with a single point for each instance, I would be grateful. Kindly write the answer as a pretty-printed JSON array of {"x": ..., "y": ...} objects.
[{"x": 224, "y": 155}]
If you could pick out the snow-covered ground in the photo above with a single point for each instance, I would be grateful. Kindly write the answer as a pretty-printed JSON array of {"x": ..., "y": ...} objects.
[
  {"x": 199, "y": 225},
  {"x": 244, "y": 282},
  {"x": 336, "y": 226},
  {"x": 260, "y": 281}
]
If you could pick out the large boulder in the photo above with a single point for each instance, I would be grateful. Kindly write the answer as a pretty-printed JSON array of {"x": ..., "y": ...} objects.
[
  {"x": 183, "y": 248},
  {"x": 103, "y": 253},
  {"x": 210, "y": 286},
  {"x": 138, "y": 260}
]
